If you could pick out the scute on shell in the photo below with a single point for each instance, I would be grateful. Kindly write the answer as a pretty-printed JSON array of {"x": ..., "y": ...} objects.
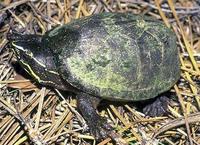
[{"x": 116, "y": 56}]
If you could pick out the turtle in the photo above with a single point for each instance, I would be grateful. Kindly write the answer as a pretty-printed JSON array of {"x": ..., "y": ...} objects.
[{"x": 107, "y": 56}]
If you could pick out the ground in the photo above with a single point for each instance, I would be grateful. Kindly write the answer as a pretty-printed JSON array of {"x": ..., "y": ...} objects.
[{"x": 32, "y": 113}]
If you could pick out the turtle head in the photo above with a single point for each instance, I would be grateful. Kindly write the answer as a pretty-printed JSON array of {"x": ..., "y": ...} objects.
[
  {"x": 35, "y": 58},
  {"x": 27, "y": 49},
  {"x": 29, "y": 52}
]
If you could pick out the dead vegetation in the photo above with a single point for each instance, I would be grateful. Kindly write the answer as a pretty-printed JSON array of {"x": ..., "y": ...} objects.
[{"x": 30, "y": 113}]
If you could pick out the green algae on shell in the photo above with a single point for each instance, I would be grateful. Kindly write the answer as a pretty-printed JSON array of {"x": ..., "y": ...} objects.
[{"x": 116, "y": 56}]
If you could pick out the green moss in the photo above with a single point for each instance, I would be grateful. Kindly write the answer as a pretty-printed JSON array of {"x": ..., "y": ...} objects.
[
  {"x": 117, "y": 56},
  {"x": 99, "y": 76}
]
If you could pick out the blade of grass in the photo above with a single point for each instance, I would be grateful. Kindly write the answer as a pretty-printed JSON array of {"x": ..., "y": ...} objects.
[
  {"x": 162, "y": 13},
  {"x": 187, "y": 45}
]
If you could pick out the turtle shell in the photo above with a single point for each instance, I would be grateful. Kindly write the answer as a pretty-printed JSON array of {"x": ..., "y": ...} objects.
[{"x": 116, "y": 56}]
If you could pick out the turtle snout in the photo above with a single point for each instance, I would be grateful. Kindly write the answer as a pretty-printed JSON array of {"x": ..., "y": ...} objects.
[
  {"x": 10, "y": 37},
  {"x": 14, "y": 37}
]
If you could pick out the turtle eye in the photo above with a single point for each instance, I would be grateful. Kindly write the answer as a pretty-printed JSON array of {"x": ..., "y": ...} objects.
[{"x": 29, "y": 53}]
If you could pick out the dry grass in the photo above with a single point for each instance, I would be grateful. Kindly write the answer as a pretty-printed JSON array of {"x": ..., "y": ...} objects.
[{"x": 30, "y": 113}]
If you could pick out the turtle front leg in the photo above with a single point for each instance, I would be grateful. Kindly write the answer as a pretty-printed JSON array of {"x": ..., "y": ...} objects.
[{"x": 98, "y": 125}]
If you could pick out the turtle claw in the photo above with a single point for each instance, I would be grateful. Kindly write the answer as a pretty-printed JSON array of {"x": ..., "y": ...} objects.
[
  {"x": 100, "y": 129},
  {"x": 103, "y": 130},
  {"x": 158, "y": 108}
]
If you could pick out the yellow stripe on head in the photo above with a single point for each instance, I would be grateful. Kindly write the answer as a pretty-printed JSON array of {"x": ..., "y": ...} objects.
[
  {"x": 19, "y": 47},
  {"x": 31, "y": 72},
  {"x": 41, "y": 64},
  {"x": 53, "y": 72}
]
